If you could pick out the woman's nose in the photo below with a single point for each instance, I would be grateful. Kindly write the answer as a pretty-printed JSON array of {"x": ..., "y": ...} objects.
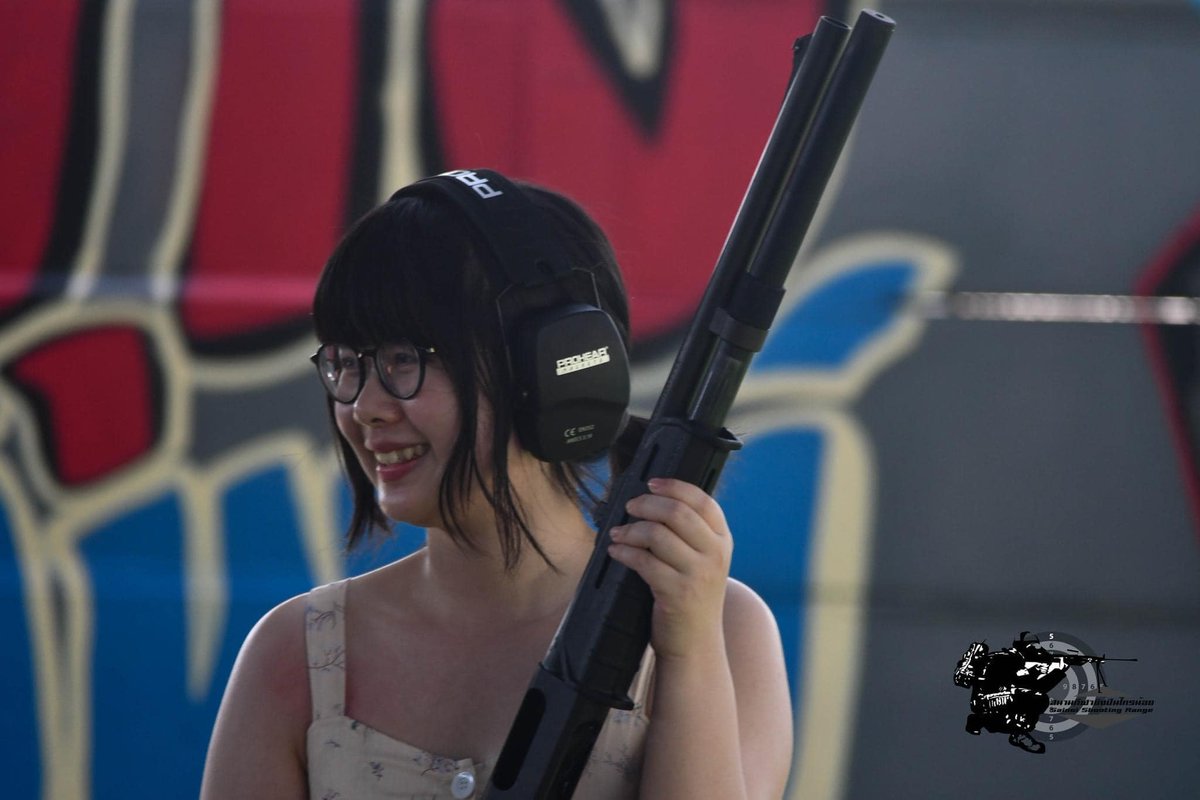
[{"x": 374, "y": 404}]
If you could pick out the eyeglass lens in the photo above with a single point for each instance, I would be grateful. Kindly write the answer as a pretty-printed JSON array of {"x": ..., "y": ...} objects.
[{"x": 343, "y": 371}]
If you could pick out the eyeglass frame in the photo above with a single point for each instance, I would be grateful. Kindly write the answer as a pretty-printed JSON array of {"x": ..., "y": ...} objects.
[{"x": 423, "y": 354}]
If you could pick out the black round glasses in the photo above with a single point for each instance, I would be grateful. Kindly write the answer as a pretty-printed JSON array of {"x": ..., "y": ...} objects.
[{"x": 400, "y": 367}]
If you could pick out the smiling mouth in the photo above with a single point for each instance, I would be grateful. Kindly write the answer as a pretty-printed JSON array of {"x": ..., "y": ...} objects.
[{"x": 401, "y": 456}]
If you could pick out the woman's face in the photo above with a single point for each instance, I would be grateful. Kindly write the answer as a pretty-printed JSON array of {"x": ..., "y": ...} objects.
[{"x": 403, "y": 446}]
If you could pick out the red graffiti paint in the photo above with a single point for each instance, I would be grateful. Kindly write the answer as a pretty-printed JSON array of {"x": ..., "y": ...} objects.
[
  {"x": 96, "y": 393},
  {"x": 523, "y": 93},
  {"x": 37, "y": 55},
  {"x": 275, "y": 168}
]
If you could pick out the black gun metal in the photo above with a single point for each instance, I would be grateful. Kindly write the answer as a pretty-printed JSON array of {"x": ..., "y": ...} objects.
[{"x": 604, "y": 634}]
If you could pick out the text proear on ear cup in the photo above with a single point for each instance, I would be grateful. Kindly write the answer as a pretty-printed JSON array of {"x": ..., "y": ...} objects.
[{"x": 573, "y": 373}]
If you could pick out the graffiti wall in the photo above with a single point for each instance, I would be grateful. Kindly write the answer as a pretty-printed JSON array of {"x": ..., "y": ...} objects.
[
  {"x": 176, "y": 172},
  {"x": 1035, "y": 474}
]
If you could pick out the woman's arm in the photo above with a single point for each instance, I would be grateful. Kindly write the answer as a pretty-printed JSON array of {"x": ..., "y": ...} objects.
[
  {"x": 721, "y": 723},
  {"x": 258, "y": 743}
]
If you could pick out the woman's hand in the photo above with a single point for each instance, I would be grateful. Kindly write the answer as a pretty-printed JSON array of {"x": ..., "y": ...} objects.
[{"x": 681, "y": 546}]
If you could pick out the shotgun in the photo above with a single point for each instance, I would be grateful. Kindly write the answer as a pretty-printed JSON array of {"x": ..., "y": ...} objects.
[{"x": 604, "y": 634}]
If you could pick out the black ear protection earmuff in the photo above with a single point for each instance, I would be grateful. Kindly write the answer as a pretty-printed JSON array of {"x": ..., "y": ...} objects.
[{"x": 565, "y": 353}]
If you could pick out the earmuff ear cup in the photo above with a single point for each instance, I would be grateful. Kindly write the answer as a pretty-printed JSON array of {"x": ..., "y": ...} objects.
[
  {"x": 572, "y": 373},
  {"x": 567, "y": 358}
]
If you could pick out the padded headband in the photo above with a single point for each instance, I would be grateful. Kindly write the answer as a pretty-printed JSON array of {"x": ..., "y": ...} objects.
[{"x": 515, "y": 230}]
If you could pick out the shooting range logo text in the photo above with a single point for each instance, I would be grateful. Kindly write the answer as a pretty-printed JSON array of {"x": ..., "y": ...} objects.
[{"x": 1048, "y": 684}]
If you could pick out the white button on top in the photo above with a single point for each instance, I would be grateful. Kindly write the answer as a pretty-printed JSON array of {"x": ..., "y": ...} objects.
[{"x": 463, "y": 785}]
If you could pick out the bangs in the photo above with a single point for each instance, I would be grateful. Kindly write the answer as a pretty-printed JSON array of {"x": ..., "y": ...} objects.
[{"x": 396, "y": 275}]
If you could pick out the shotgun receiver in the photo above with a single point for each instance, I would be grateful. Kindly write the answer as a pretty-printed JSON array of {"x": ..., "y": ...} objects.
[{"x": 601, "y": 640}]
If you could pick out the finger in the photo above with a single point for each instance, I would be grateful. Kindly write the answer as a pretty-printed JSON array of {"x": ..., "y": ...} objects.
[
  {"x": 694, "y": 497},
  {"x": 677, "y": 516},
  {"x": 660, "y": 541},
  {"x": 653, "y": 570}
]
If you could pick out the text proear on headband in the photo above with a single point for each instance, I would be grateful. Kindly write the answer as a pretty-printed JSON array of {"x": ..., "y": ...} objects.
[{"x": 566, "y": 354}]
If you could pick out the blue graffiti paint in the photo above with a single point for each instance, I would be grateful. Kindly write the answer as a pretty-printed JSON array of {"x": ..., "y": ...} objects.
[
  {"x": 136, "y": 566},
  {"x": 18, "y": 723},
  {"x": 139, "y": 692},
  {"x": 263, "y": 545},
  {"x": 771, "y": 488},
  {"x": 768, "y": 493},
  {"x": 828, "y": 327}
]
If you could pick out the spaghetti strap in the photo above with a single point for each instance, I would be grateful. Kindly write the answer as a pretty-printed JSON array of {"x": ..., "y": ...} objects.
[
  {"x": 325, "y": 643},
  {"x": 643, "y": 682}
]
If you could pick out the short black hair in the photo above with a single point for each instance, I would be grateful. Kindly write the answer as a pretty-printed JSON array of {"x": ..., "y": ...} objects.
[{"x": 411, "y": 269}]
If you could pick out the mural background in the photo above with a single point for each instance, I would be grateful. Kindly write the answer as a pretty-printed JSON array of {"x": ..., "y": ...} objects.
[{"x": 176, "y": 172}]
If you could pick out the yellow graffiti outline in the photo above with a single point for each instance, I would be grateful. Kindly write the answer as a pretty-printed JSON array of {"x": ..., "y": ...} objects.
[
  {"x": 400, "y": 162},
  {"x": 114, "y": 101},
  {"x": 48, "y": 549},
  {"x": 52, "y": 322},
  {"x": 841, "y": 539}
]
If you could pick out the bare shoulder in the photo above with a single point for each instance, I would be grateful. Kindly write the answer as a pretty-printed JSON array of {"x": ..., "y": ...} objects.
[
  {"x": 756, "y": 664},
  {"x": 273, "y": 657},
  {"x": 752, "y": 642},
  {"x": 746, "y": 614},
  {"x": 258, "y": 743}
]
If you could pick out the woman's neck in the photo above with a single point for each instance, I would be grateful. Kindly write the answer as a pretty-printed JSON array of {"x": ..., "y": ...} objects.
[{"x": 471, "y": 578}]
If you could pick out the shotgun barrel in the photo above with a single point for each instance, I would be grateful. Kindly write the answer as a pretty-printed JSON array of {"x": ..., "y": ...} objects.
[{"x": 604, "y": 634}]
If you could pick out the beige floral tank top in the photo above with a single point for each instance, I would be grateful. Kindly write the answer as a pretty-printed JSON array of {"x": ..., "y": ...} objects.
[{"x": 348, "y": 760}]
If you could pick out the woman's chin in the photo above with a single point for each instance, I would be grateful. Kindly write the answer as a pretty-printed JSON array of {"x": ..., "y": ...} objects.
[{"x": 403, "y": 509}]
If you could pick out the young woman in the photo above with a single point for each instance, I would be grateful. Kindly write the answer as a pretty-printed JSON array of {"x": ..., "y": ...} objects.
[{"x": 403, "y": 682}]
